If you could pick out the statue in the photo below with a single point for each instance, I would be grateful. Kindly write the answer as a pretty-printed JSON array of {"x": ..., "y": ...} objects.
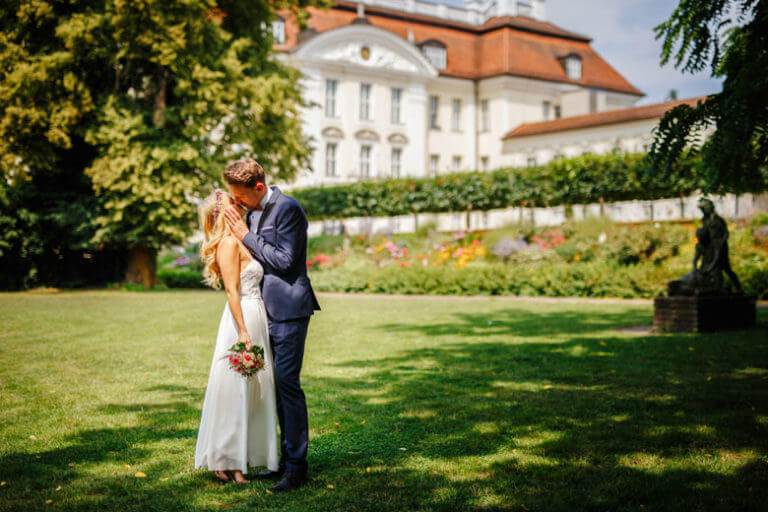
[{"x": 711, "y": 259}]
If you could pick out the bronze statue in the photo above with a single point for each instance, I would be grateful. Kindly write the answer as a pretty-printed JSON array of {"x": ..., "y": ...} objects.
[{"x": 711, "y": 258}]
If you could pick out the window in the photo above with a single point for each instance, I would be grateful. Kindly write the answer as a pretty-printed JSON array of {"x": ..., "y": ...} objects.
[
  {"x": 531, "y": 161},
  {"x": 434, "y": 102},
  {"x": 456, "y": 115},
  {"x": 278, "y": 30},
  {"x": 365, "y": 102},
  {"x": 485, "y": 116},
  {"x": 593, "y": 101},
  {"x": 330, "y": 159},
  {"x": 330, "y": 98},
  {"x": 484, "y": 163},
  {"x": 558, "y": 112},
  {"x": 545, "y": 108},
  {"x": 397, "y": 95},
  {"x": 456, "y": 162},
  {"x": 573, "y": 66},
  {"x": 365, "y": 161},
  {"x": 396, "y": 157},
  {"x": 434, "y": 160},
  {"x": 434, "y": 52}
]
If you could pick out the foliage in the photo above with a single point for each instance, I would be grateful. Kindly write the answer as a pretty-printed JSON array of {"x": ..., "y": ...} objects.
[
  {"x": 45, "y": 232},
  {"x": 584, "y": 179},
  {"x": 591, "y": 258},
  {"x": 181, "y": 267},
  {"x": 730, "y": 37},
  {"x": 148, "y": 99}
]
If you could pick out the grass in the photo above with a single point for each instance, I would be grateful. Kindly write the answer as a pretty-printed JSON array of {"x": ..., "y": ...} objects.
[{"x": 414, "y": 404}]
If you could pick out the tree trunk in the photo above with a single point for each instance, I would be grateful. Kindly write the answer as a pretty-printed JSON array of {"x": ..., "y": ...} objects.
[{"x": 142, "y": 267}]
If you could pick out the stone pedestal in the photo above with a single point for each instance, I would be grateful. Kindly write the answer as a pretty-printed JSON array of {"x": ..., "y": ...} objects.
[{"x": 704, "y": 313}]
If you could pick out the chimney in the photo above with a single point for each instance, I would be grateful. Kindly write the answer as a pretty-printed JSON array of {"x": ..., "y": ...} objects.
[{"x": 360, "y": 10}]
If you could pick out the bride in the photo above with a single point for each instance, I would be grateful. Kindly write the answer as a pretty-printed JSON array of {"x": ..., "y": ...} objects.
[{"x": 238, "y": 427}]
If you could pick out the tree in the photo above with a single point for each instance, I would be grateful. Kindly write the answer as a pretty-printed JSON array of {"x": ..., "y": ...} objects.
[
  {"x": 731, "y": 38},
  {"x": 149, "y": 99}
]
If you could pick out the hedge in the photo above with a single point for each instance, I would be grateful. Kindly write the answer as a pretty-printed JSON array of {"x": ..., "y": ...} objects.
[{"x": 585, "y": 179}]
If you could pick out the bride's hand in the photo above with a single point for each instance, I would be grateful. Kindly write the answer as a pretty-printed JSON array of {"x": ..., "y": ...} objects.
[{"x": 245, "y": 338}]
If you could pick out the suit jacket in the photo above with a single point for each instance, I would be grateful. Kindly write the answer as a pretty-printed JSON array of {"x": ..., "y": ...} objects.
[{"x": 279, "y": 242}]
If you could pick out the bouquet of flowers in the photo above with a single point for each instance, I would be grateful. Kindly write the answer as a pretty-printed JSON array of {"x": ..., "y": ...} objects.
[{"x": 246, "y": 362}]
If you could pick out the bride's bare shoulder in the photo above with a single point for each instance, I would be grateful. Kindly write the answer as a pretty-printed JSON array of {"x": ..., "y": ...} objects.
[{"x": 227, "y": 246}]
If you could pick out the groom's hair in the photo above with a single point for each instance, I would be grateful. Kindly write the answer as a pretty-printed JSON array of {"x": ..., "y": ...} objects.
[{"x": 246, "y": 172}]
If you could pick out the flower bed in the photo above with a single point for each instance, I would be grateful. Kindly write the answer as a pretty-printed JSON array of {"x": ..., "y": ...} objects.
[{"x": 594, "y": 258}]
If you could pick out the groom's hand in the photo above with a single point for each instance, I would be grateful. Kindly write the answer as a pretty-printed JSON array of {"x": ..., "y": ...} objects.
[{"x": 235, "y": 222}]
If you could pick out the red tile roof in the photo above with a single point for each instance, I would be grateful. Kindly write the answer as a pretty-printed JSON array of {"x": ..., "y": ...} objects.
[
  {"x": 507, "y": 45},
  {"x": 599, "y": 118}
]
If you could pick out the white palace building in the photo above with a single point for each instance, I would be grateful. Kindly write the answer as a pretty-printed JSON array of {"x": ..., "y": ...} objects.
[{"x": 413, "y": 88}]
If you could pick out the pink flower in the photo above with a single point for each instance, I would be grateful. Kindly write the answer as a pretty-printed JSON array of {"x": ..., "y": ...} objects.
[{"x": 369, "y": 250}]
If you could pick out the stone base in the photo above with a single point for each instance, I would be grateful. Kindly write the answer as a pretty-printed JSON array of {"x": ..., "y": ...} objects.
[{"x": 704, "y": 313}]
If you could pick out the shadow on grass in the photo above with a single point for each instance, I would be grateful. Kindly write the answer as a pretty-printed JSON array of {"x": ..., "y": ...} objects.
[
  {"x": 70, "y": 466},
  {"x": 524, "y": 322},
  {"x": 590, "y": 423},
  {"x": 586, "y": 422}
]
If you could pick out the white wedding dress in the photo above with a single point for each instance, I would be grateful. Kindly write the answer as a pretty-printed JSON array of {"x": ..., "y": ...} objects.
[{"x": 238, "y": 427}]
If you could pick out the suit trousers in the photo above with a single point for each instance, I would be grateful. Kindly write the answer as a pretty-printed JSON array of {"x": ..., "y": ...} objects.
[{"x": 287, "y": 338}]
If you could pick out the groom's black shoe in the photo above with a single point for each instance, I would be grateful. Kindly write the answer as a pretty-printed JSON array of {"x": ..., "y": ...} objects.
[
  {"x": 268, "y": 475},
  {"x": 291, "y": 480}
]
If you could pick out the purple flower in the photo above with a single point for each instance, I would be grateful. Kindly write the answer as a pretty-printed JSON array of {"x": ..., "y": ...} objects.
[{"x": 184, "y": 260}]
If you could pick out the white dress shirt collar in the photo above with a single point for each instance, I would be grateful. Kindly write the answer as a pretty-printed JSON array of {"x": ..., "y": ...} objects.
[{"x": 265, "y": 199}]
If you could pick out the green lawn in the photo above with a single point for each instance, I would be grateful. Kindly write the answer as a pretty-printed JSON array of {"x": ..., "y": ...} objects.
[{"x": 483, "y": 404}]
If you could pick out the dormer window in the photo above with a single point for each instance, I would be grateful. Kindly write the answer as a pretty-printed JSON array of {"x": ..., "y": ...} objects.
[
  {"x": 572, "y": 65},
  {"x": 434, "y": 52},
  {"x": 278, "y": 30}
]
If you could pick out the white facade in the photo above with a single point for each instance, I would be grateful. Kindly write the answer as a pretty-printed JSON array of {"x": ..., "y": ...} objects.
[{"x": 356, "y": 75}]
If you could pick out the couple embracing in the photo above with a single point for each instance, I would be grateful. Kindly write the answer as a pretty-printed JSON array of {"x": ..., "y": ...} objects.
[{"x": 262, "y": 265}]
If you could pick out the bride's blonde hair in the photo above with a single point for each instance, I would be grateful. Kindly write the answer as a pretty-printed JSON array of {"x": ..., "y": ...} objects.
[{"x": 212, "y": 223}]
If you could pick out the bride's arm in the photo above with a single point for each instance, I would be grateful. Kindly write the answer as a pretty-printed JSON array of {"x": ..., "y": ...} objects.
[{"x": 229, "y": 262}]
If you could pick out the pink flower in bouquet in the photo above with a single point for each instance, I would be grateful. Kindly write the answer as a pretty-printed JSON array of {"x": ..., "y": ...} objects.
[{"x": 246, "y": 362}]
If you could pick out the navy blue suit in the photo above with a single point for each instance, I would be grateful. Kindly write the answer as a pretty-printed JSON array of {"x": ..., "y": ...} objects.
[{"x": 279, "y": 242}]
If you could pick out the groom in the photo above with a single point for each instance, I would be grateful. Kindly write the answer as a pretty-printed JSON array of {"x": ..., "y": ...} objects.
[{"x": 276, "y": 235}]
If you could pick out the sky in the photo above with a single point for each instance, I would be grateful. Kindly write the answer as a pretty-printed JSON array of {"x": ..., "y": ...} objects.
[{"x": 622, "y": 33}]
